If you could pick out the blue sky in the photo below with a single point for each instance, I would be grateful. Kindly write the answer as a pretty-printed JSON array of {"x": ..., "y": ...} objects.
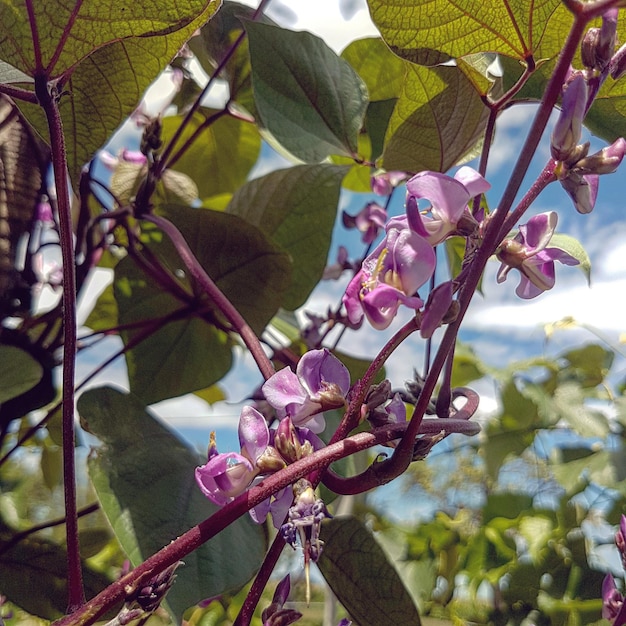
[{"x": 499, "y": 325}]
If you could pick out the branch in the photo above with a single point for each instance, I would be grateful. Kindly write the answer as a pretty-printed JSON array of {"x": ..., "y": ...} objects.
[
  {"x": 49, "y": 103},
  {"x": 212, "y": 290}
]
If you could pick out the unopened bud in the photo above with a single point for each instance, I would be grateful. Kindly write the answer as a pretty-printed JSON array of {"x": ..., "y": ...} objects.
[
  {"x": 568, "y": 128},
  {"x": 606, "y": 161},
  {"x": 288, "y": 442},
  {"x": 599, "y": 43},
  {"x": 617, "y": 66},
  {"x": 270, "y": 461},
  {"x": 583, "y": 190}
]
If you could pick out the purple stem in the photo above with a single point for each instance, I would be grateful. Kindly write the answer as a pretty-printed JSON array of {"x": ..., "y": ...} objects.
[
  {"x": 211, "y": 289},
  {"x": 47, "y": 100}
]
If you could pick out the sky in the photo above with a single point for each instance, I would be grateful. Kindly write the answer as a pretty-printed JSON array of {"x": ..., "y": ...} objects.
[{"x": 499, "y": 326}]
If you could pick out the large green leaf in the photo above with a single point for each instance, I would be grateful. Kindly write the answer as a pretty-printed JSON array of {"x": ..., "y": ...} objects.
[
  {"x": 358, "y": 572},
  {"x": 54, "y": 36},
  {"x": 438, "y": 119},
  {"x": 381, "y": 70},
  {"x": 107, "y": 86},
  {"x": 33, "y": 575},
  {"x": 310, "y": 100},
  {"x": 607, "y": 115},
  {"x": 222, "y": 155},
  {"x": 295, "y": 207},
  {"x": 144, "y": 479},
  {"x": 19, "y": 372},
  {"x": 429, "y": 32},
  {"x": 190, "y": 353}
]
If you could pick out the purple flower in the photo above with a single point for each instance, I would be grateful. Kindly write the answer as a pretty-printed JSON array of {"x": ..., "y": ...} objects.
[
  {"x": 612, "y": 600},
  {"x": 369, "y": 221},
  {"x": 390, "y": 276},
  {"x": 528, "y": 253},
  {"x": 320, "y": 383},
  {"x": 225, "y": 476},
  {"x": 384, "y": 183},
  {"x": 449, "y": 198}
]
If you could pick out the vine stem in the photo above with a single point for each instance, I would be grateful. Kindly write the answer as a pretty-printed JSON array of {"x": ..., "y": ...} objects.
[
  {"x": 212, "y": 290},
  {"x": 48, "y": 101},
  {"x": 207, "y": 529}
]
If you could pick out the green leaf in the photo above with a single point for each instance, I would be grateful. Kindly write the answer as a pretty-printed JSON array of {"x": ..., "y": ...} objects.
[
  {"x": 33, "y": 575},
  {"x": 111, "y": 81},
  {"x": 67, "y": 32},
  {"x": 103, "y": 316},
  {"x": 607, "y": 116},
  {"x": 358, "y": 572},
  {"x": 144, "y": 478},
  {"x": 381, "y": 70},
  {"x": 307, "y": 97},
  {"x": 19, "y": 372},
  {"x": 439, "y": 118},
  {"x": 430, "y": 32},
  {"x": 574, "y": 248},
  {"x": 569, "y": 404},
  {"x": 296, "y": 208},
  {"x": 588, "y": 365},
  {"x": 221, "y": 156},
  {"x": 466, "y": 366},
  {"x": 188, "y": 352}
]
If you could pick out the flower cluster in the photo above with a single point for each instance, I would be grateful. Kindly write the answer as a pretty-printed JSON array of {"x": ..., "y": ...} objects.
[
  {"x": 320, "y": 383},
  {"x": 577, "y": 171},
  {"x": 405, "y": 259}
]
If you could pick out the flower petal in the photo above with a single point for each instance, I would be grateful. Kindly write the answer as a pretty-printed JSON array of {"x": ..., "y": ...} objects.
[{"x": 254, "y": 436}]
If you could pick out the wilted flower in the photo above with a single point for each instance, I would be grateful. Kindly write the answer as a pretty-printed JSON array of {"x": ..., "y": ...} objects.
[
  {"x": 305, "y": 518},
  {"x": 320, "y": 383},
  {"x": 369, "y": 221},
  {"x": 390, "y": 276},
  {"x": 599, "y": 43},
  {"x": 275, "y": 614},
  {"x": 528, "y": 253},
  {"x": 449, "y": 198}
]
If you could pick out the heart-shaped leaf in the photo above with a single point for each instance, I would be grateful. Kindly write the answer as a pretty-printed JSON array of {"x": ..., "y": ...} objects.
[{"x": 144, "y": 479}]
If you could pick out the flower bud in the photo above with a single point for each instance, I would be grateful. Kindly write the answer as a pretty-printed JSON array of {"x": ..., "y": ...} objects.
[
  {"x": 270, "y": 461},
  {"x": 568, "y": 128},
  {"x": 606, "y": 161},
  {"x": 292, "y": 443},
  {"x": 617, "y": 66},
  {"x": 598, "y": 43}
]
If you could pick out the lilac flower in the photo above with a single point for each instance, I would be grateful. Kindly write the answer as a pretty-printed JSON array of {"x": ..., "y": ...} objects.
[
  {"x": 528, "y": 253},
  {"x": 383, "y": 183},
  {"x": 449, "y": 198},
  {"x": 320, "y": 383},
  {"x": 225, "y": 476},
  {"x": 369, "y": 221},
  {"x": 390, "y": 276}
]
